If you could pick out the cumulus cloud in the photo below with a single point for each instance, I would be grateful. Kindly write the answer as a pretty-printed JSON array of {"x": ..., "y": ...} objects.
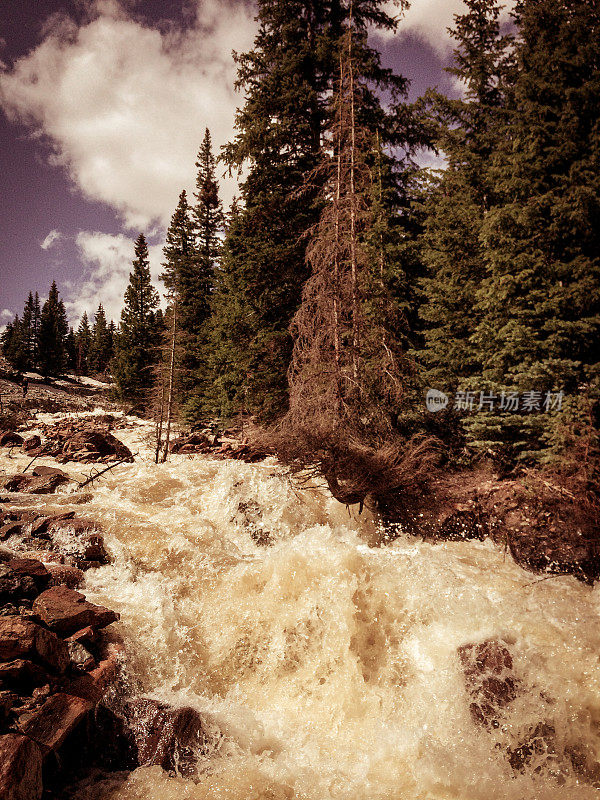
[
  {"x": 6, "y": 315},
  {"x": 106, "y": 260},
  {"x": 124, "y": 105},
  {"x": 53, "y": 237}
]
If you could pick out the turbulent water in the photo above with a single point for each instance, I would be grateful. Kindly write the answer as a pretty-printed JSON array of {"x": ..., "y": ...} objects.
[{"x": 327, "y": 667}]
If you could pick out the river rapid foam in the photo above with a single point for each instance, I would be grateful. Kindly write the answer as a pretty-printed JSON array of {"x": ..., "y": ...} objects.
[{"x": 327, "y": 667}]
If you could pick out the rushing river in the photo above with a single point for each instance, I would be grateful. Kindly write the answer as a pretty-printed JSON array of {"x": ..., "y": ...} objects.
[{"x": 327, "y": 667}]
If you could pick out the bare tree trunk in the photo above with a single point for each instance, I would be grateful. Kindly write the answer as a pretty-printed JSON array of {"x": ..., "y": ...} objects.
[
  {"x": 159, "y": 420},
  {"x": 171, "y": 381},
  {"x": 353, "y": 258},
  {"x": 336, "y": 261}
]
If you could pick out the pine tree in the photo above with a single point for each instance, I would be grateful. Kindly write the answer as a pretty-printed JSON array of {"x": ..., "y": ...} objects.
[
  {"x": 101, "y": 346},
  {"x": 456, "y": 201},
  {"x": 13, "y": 348},
  {"x": 71, "y": 351},
  {"x": 287, "y": 79},
  {"x": 84, "y": 341},
  {"x": 137, "y": 345},
  {"x": 208, "y": 217},
  {"x": 539, "y": 306},
  {"x": 53, "y": 332}
]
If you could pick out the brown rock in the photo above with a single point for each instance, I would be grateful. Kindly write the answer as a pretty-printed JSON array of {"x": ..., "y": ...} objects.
[
  {"x": 14, "y": 587},
  {"x": 21, "y": 672},
  {"x": 86, "y": 636},
  {"x": 31, "y": 567},
  {"x": 41, "y": 524},
  {"x": 93, "y": 685},
  {"x": 7, "y": 701},
  {"x": 65, "y": 575},
  {"x": 9, "y": 529},
  {"x": 50, "y": 725},
  {"x": 539, "y": 742},
  {"x": 66, "y": 611},
  {"x": 32, "y": 443},
  {"x": 30, "y": 484},
  {"x": 23, "y": 638},
  {"x": 167, "y": 737},
  {"x": 489, "y": 678},
  {"x": 20, "y": 768},
  {"x": 10, "y": 439},
  {"x": 47, "y": 557},
  {"x": 43, "y": 471},
  {"x": 81, "y": 658}
]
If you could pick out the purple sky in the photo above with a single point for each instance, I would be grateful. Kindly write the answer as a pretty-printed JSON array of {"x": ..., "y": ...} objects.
[{"x": 103, "y": 104}]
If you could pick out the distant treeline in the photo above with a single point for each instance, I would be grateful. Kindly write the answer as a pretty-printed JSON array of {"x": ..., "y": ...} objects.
[
  {"x": 347, "y": 281},
  {"x": 42, "y": 341}
]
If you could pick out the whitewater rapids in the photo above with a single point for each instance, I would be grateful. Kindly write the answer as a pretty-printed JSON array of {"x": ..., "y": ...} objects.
[{"x": 327, "y": 667}]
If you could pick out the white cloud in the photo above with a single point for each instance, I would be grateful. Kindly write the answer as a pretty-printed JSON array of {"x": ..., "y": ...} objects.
[
  {"x": 53, "y": 237},
  {"x": 125, "y": 106},
  {"x": 6, "y": 315},
  {"x": 430, "y": 19},
  {"x": 107, "y": 263}
]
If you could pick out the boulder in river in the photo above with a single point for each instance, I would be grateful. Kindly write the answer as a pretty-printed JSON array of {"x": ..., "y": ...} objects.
[
  {"x": 22, "y": 638},
  {"x": 10, "y": 439},
  {"x": 489, "y": 679},
  {"x": 20, "y": 768},
  {"x": 66, "y": 611}
]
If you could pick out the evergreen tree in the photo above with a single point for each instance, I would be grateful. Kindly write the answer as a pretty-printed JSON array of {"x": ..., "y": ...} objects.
[
  {"x": 101, "y": 346},
  {"x": 140, "y": 331},
  {"x": 84, "y": 341},
  {"x": 287, "y": 79},
  {"x": 71, "y": 351},
  {"x": 456, "y": 201},
  {"x": 539, "y": 306},
  {"x": 53, "y": 332},
  {"x": 13, "y": 348},
  {"x": 208, "y": 214}
]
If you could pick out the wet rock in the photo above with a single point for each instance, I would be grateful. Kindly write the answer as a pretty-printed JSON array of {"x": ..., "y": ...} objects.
[
  {"x": 32, "y": 568},
  {"x": 10, "y": 529},
  {"x": 93, "y": 685},
  {"x": 81, "y": 658},
  {"x": 32, "y": 443},
  {"x": 22, "y": 673},
  {"x": 93, "y": 445},
  {"x": 20, "y": 768},
  {"x": 50, "y": 725},
  {"x": 10, "y": 439},
  {"x": 47, "y": 557},
  {"x": 87, "y": 636},
  {"x": 165, "y": 736},
  {"x": 489, "y": 679},
  {"x": 15, "y": 588},
  {"x": 538, "y": 745},
  {"x": 65, "y": 575},
  {"x": 43, "y": 471},
  {"x": 556, "y": 551},
  {"x": 30, "y": 484},
  {"x": 195, "y": 443},
  {"x": 40, "y": 525},
  {"x": 7, "y": 701},
  {"x": 585, "y": 763},
  {"x": 66, "y": 611},
  {"x": 21, "y": 638}
]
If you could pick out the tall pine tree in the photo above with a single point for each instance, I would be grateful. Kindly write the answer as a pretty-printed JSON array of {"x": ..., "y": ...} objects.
[
  {"x": 287, "y": 79},
  {"x": 138, "y": 340},
  {"x": 53, "y": 332},
  {"x": 539, "y": 306}
]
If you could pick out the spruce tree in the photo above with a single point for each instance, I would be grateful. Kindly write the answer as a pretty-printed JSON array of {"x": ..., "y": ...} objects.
[
  {"x": 539, "y": 306},
  {"x": 53, "y": 332},
  {"x": 465, "y": 130},
  {"x": 100, "y": 346},
  {"x": 84, "y": 341},
  {"x": 13, "y": 348},
  {"x": 71, "y": 351},
  {"x": 287, "y": 79},
  {"x": 137, "y": 345}
]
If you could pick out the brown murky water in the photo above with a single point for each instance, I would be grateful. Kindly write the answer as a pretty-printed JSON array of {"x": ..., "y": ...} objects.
[{"x": 330, "y": 666}]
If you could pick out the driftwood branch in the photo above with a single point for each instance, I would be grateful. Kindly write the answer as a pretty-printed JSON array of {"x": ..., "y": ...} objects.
[{"x": 93, "y": 477}]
